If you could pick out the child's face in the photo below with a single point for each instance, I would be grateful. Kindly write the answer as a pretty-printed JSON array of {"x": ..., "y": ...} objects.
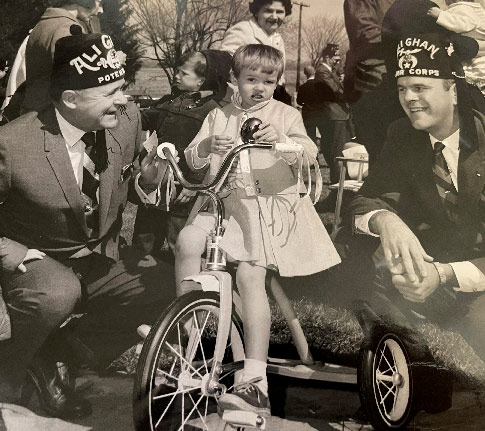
[
  {"x": 186, "y": 79},
  {"x": 255, "y": 86}
]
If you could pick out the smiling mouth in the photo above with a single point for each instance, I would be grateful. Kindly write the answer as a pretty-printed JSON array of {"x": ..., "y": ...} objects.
[
  {"x": 416, "y": 109},
  {"x": 257, "y": 96}
]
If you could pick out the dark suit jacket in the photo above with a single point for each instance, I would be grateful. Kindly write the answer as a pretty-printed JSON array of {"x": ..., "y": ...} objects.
[
  {"x": 41, "y": 205},
  {"x": 402, "y": 181},
  {"x": 331, "y": 90}
]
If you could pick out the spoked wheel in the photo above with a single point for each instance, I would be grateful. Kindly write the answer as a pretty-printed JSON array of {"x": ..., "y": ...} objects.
[
  {"x": 385, "y": 384},
  {"x": 170, "y": 391}
]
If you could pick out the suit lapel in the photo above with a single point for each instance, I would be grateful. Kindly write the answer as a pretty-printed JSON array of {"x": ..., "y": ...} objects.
[
  {"x": 471, "y": 173},
  {"x": 58, "y": 158},
  {"x": 107, "y": 178},
  {"x": 420, "y": 165}
]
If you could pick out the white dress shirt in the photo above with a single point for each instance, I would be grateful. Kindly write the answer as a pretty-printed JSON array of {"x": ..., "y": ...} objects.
[
  {"x": 470, "y": 278},
  {"x": 75, "y": 148}
]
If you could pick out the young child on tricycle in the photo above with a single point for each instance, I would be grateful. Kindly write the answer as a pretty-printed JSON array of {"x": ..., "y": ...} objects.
[{"x": 270, "y": 220}]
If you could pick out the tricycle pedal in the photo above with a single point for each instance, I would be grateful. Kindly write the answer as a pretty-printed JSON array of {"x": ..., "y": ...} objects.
[{"x": 244, "y": 419}]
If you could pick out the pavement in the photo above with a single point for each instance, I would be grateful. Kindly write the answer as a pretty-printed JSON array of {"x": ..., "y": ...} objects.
[{"x": 307, "y": 405}]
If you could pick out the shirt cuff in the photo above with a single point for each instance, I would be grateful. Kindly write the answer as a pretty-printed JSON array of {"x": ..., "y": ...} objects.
[
  {"x": 152, "y": 198},
  {"x": 470, "y": 278},
  {"x": 199, "y": 162},
  {"x": 361, "y": 223}
]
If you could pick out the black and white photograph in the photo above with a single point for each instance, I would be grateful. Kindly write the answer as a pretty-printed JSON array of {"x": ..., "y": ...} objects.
[{"x": 236, "y": 215}]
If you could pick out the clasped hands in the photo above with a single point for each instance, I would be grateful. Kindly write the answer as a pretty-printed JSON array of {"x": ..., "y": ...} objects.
[{"x": 413, "y": 272}]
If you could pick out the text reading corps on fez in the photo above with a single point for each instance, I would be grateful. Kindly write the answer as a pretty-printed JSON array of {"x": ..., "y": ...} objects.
[{"x": 408, "y": 62}]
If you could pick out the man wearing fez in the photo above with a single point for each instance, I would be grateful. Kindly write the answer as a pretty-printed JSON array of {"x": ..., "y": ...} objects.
[
  {"x": 333, "y": 122},
  {"x": 64, "y": 180},
  {"x": 425, "y": 196}
]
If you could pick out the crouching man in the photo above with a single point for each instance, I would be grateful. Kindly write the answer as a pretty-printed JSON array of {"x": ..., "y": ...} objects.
[
  {"x": 425, "y": 197},
  {"x": 64, "y": 181}
]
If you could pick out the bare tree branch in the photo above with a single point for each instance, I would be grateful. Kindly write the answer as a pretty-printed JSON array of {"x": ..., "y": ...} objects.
[
  {"x": 170, "y": 28},
  {"x": 321, "y": 30}
]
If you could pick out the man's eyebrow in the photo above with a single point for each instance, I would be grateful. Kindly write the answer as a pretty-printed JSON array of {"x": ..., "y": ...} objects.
[{"x": 113, "y": 91}]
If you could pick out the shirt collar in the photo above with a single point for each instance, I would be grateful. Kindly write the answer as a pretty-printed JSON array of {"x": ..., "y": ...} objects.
[
  {"x": 70, "y": 133},
  {"x": 452, "y": 142},
  {"x": 259, "y": 33}
]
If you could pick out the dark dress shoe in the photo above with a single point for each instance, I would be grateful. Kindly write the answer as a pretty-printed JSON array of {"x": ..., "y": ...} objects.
[{"x": 56, "y": 393}]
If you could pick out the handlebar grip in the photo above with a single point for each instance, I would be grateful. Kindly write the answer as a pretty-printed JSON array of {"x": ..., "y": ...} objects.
[
  {"x": 285, "y": 147},
  {"x": 170, "y": 147}
]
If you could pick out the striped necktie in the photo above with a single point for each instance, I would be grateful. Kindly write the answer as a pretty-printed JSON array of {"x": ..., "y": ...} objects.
[
  {"x": 444, "y": 184},
  {"x": 90, "y": 180}
]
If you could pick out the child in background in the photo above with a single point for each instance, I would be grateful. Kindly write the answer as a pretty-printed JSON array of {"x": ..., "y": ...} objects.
[
  {"x": 200, "y": 85},
  {"x": 466, "y": 17},
  {"x": 269, "y": 225}
]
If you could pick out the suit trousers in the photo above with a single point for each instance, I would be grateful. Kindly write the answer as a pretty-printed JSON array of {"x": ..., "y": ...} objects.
[
  {"x": 116, "y": 298},
  {"x": 334, "y": 133},
  {"x": 463, "y": 312}
]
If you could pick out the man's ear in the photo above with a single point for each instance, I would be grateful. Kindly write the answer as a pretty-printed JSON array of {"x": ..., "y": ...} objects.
[
  {"x": 69, "y": 99},
  {"x": 455, "y": 96}
]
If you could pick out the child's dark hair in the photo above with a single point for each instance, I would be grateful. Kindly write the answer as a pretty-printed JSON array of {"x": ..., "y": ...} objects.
[
  {"x": 256, "y": 5},
  {"x": 197, "y": 60},
  {"x": 258, "y": 56}
]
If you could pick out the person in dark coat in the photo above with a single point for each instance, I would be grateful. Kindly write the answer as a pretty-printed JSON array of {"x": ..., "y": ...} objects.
[
  {"x": 424, "y": 197},
  {"x": 308, "y": 100},
  {"x": 200, "y": 85},
  {"x": 54, "y": 24},
  {"x": 333, "y": 123}
]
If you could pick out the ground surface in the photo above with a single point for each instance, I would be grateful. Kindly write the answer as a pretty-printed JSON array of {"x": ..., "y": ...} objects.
[{"x": 309, "y": 407}]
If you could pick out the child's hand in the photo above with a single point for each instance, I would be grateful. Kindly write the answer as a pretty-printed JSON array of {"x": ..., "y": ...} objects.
[
  {"x": 184, "y": 196},
  {"x": 434, "y": 12},
  {"x": 215, "y": 144},
  {"x": 266, "y": 133},
  {"x": 32, "y": 254}
]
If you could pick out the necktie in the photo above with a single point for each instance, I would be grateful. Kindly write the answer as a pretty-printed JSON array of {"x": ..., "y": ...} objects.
[
  {"x": 90, "y": 181},
  {"x": 444, "y": 184}
]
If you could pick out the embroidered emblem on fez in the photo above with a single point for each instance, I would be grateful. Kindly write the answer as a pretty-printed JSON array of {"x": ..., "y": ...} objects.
[
  {"x": 423, "y": 56},
  {"x": 85, "y": 61},
  {"x": 407, "y": 59},
  {"x": 450, "y": 49}
]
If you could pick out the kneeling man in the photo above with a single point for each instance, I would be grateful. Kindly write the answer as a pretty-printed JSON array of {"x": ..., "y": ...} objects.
[
  {"x": 64, "y": 180},
  {"x": 425, "y": 196}
]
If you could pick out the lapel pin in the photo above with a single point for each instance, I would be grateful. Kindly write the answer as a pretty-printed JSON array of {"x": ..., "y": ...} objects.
[{"x": 478, "y": 174}]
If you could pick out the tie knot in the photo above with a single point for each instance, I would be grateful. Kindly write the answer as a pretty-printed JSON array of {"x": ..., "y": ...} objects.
[
  {"x": 89, "y": 139},
  {"x": 438, "y": 147}
]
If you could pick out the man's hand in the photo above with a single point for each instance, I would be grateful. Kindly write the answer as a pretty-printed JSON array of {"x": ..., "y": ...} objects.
[
  {"x": 185, "y": 196},
  {"x": 434, "y": 12},
  {"x": 402, "y": 249},
  {"x": 266, "y": 133},
  {"x": 152, "y": 170},
  {"x": 418, "y": 290},
  {"x": 32, "y": 254}
]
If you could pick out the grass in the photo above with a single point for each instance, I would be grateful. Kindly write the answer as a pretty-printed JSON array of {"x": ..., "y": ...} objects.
[{"x": 334, "y": 334}]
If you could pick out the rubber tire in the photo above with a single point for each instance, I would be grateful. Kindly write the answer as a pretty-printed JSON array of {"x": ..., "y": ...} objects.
[
  {"x": 156, "y": 337},
  {"x": 365, "y": 381}
]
